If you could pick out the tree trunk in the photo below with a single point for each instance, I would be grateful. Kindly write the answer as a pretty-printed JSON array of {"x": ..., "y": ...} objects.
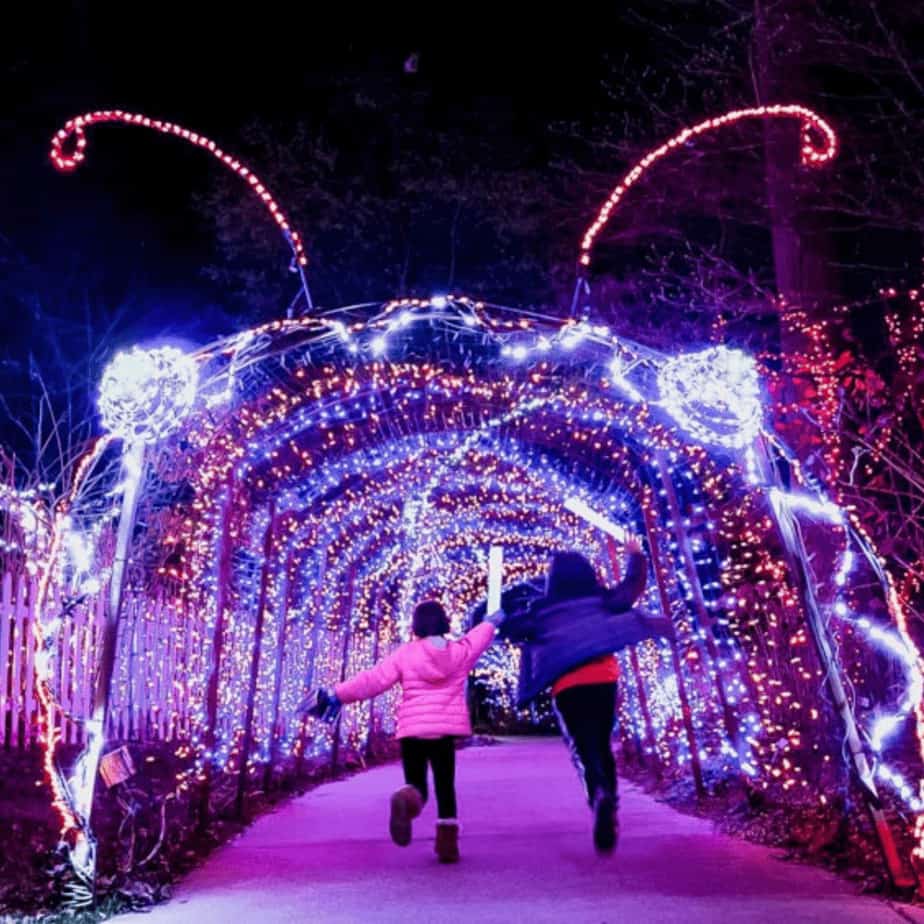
[{"x": 801, "y": 243}]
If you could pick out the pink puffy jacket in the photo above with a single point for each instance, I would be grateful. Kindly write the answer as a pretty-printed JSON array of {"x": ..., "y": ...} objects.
[{"x": 432, "y": 683}]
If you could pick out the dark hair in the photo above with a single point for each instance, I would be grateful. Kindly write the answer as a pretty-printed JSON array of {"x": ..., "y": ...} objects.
[
  {"x": 430, "y": 619},
  {"x": 570, "y": 576}
]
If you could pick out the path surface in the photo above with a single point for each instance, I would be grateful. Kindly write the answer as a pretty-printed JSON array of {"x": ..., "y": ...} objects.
[{"x": 526, "y": 857}]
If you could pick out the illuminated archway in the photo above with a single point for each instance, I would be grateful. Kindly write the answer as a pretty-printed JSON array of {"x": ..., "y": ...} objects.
[{"x": 289, "y": 489}]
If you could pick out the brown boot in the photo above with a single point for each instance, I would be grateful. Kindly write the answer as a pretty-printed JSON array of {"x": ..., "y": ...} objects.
[
  {"x": 447, "y": 840},
  {"x": 406, "y": 805}
]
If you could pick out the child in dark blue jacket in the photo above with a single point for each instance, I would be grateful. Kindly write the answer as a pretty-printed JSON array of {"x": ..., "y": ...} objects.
[{"x": 569, "y": 638}]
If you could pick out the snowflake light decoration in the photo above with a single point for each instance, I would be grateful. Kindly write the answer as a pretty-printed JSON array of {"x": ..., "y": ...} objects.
[
  {"x": 145, "y": 394},
  {"x": 714, "y": 394}
]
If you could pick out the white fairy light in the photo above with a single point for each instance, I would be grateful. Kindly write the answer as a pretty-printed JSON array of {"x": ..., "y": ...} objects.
[
  {"x": 619, "y": 371},
  {"x": 495, "y": 577},
  {"x": 342, "y": 331},
  {"x": 886, "y": 725},
  {"x": 844, "y": 569},
  {"x": 819, "y": 508},
  {"x": 713, "y": 394},
  {"x": 901, "y": 786},
  {"x": 573, "y": 335}
]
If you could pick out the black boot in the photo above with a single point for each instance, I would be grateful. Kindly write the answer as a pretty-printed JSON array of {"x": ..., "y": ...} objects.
[{"x": 606, "y": 826}]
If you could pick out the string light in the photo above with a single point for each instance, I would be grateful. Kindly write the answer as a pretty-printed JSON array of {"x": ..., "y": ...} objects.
[
  {"x": 68, "y": 152},
  {"x": 818, "y": 146},
  {"x": 510, "y": 445}
]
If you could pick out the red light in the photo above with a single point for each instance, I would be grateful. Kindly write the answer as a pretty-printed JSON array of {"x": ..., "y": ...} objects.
[
  {"x": 72, "y": 135},
  {"x": 819, "y": 145}
]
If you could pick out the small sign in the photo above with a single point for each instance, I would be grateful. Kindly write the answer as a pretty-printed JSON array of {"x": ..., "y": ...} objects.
[{"x": 116, "y": 766}]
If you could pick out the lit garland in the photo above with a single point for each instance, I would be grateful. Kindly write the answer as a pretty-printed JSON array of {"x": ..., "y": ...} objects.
[
  {"x": 340, "y": 418},
  {"x": 342, "y": 413},
  {"x": 818, "y": 146},
  {"x": 68, "y": 152},
  {"x": 30, "y": 528}
]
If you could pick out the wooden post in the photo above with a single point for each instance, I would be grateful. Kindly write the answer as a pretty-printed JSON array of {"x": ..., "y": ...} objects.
[
  {"x": 347, "y": 633},
  {"x": 6, "y": 621},
  {"x": 312, "y": 658},
  {"x": 19, "y": 615},
  {"x": 685, "y": 711},
  {"x": 223, "y": 553},
  {"x": 729, "y": 718},
  {"x": 281, "y": 640},
  {"x": 86, "y": 769},
  {"x": 376, "y": 646},
  {"x": 132, "y": 704},
  {"x": 259, "y": 619},
  {"x": 29, "y": 679}
]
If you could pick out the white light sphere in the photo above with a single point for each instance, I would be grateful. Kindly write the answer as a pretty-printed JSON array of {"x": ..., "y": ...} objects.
[
  {"x": 714, "y": 395},
  {"x": 145, "y": 394}
]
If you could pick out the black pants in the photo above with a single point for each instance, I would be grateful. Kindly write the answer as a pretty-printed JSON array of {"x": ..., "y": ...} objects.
[
  {"x": 440, "y": 754},
  {"x": 586, "y": 715}
]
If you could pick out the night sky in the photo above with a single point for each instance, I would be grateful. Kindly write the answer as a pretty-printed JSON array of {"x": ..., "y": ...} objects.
[
  {"x": 126, "y": 217},
  {"x": 121, "y": 240},
  {"x": 125, "y": 225}
]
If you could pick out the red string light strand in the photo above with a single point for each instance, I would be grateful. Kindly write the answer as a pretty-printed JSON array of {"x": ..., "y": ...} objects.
[
  {"x": 68, "y": 151},
  {"x": 818, "y": 146}
]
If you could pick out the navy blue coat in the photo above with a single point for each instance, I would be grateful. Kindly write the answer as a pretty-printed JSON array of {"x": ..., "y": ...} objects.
[{"x": 578, "y": 621}]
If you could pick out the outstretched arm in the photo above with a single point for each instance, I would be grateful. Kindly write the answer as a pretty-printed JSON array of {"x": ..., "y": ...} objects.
[
  {"x": 626, "y": 592},
  {"x": 370, "y": 682},
  {"x": 477, "y": 641},
  {"x": 518, "y": 626}
]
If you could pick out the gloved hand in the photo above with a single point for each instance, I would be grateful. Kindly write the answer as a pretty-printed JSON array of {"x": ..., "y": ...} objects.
[
  {"x": 322, "y": 704},
  {"x": 497, "y": 618},
  {"x": 634, "y": 546}
]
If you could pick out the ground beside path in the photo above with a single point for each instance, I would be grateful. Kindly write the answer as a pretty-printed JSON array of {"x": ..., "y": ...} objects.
[{"x": 526, "y": 857}]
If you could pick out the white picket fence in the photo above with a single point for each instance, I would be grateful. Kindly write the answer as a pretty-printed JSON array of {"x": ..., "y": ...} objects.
[{"x": 147, "y": 703}]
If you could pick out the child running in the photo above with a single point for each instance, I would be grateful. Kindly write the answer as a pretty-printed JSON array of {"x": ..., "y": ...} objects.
[
  {"x": 433, "y": 712},
  {"x": 569, "y": 638}
]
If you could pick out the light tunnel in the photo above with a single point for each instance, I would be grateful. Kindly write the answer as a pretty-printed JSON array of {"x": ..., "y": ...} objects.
[
  {"x": 330, "y": 475},
  {"x": 326, "y": 475}
]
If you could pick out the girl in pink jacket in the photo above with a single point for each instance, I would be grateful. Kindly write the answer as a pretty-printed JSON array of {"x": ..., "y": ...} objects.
[{"x": 433, "y": 712}]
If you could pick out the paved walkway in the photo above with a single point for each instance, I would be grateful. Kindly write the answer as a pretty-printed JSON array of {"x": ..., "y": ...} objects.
[{"x": 526, "y": 857}]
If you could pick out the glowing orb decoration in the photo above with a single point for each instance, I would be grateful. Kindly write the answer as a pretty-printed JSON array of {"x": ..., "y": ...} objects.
[
  {"x": 714, "y": 395},
  {"x": 145, "y": 394}
]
